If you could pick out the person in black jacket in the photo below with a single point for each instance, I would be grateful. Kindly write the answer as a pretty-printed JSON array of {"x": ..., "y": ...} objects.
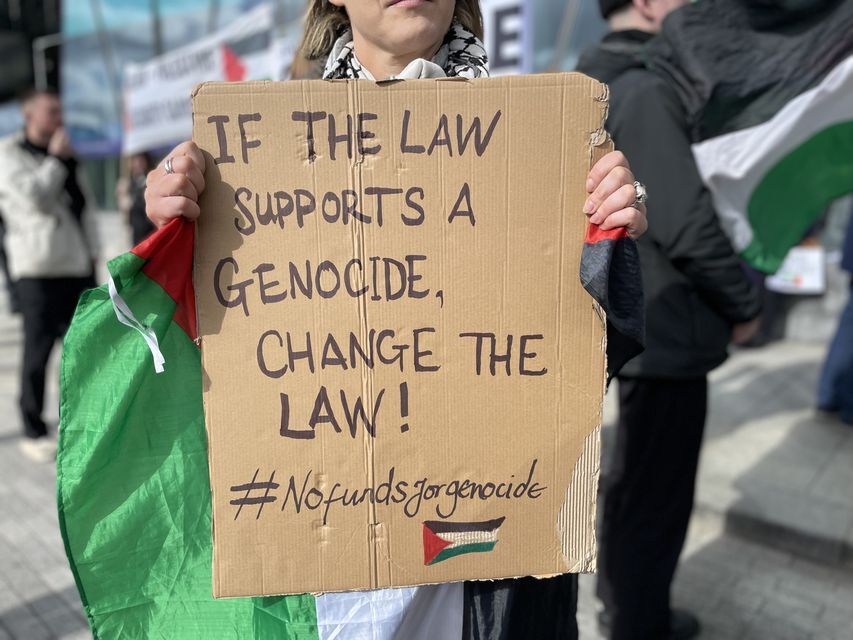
[{"x": 698, "y": 300}]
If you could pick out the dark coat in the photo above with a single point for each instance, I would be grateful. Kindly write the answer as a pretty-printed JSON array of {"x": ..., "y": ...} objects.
[
  {"x": 695, "y": 288},
  {"x": 847, "y": 247}
]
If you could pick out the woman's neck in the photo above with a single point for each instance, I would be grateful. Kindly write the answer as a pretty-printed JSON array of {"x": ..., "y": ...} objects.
[{"x": 383, "y": 64}]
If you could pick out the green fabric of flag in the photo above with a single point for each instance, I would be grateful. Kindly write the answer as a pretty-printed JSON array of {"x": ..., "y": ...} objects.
[
  {"x": 772, "y": 182},
  {"x": 132, "y": 475}
]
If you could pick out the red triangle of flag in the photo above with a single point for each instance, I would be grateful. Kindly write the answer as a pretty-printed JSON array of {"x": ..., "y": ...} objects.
[
  {"x": 234, "y": 69},
  {"x": 433, "y": 545},
  {"x": 168, "y": 253}
]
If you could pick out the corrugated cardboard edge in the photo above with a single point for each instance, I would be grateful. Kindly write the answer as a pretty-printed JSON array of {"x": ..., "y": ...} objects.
[
  {"x": 216, "y": 586},
  {"x": 579, "y": 548},
  {"x": 579, "y": 507}
]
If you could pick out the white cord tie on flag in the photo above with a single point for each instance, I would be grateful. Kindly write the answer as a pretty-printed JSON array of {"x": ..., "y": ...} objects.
[{"x": 126, "y": 317}]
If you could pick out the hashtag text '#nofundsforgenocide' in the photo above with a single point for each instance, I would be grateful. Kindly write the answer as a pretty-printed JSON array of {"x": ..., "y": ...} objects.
[{"x": 302, "y": 493}]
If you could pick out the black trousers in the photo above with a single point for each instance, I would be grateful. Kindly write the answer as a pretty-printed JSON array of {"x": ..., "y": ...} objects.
[
  {"x": 47, "y": 306},
  {"x": 538, "y": 609},
  {"x": 647, "y": 499}
]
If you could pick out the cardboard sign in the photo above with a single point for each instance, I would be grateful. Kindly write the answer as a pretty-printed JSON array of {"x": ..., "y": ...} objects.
[{"x": 403, "y": 376}]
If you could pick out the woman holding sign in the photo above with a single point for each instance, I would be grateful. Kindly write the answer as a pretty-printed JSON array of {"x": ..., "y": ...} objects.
[{"x": 416, "y": 39}]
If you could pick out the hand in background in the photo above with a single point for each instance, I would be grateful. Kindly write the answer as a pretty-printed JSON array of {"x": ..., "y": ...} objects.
[
  {"x": 743, "y": 332},
  {"x": 60, "y": 145}
]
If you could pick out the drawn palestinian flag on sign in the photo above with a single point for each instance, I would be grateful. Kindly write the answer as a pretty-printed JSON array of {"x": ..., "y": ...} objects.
[{"x": 445, "y": 540}]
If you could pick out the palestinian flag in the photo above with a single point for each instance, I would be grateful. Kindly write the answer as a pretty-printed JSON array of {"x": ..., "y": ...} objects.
[
  {"x": 791, "y": 167},
  {"x": 132, "y": 480},
  {"x": 768, "y": 89},
  {"x": 444, "y": 540},
  {"x": 132, "y": 477},
  {"x": 133, "y": 489}
]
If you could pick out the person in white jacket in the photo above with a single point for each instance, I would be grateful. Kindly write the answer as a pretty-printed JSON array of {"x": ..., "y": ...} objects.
[{"x": 49, "y": 244}]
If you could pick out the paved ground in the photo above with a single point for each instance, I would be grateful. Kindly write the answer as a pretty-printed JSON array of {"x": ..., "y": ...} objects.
[
  {"x": 774, "y": 469},
  {"x": 38, "y": 598},
  {"x": 769, "y": 551},
  {"x": 743, "y": 590}
]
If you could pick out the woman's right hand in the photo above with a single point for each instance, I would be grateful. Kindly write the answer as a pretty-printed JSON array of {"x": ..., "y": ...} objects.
[{"x": 172, "y": 195}]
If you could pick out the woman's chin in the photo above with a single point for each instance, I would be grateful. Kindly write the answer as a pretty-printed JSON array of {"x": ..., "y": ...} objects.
[{"x": 417, "y": 33}]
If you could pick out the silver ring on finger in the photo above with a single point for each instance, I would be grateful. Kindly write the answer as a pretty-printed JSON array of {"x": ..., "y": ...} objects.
[
  {"x": 640, "y": 193},
  {"x": 167, "y": 166}
]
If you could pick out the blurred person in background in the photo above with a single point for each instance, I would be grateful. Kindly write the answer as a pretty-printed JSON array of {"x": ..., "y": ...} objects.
[
  {"x": 835, "y": 389},
  {"x": 49, "y": 244},
  {"x": 11, "y": 292},
  {"x": 698, "y": 300},
  {"x": 130, "y": 196}
]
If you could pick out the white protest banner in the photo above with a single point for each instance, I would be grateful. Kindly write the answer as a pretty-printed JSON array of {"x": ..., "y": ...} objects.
[{"x": 157, "y": 109}]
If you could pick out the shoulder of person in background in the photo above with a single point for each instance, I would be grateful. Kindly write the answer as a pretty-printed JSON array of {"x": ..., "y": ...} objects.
[
  {"x": 6, "y": 152},
  {"x": 11, "y": 147},
  {"x": 7, "y": 140},
  {"x": 638, "y": 94},
  {"x": 30, "y": 178}
]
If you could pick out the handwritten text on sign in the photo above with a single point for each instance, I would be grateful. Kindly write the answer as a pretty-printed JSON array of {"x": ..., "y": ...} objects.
[
  {"x": 401, "y": 367},
  {"x": 378, "y": 278}
]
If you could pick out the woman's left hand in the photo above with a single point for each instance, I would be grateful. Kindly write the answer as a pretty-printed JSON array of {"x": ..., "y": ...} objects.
[{"x": 612, "y": 200}]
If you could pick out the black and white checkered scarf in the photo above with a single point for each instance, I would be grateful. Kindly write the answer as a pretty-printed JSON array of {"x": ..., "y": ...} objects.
[{"x": 461, "y": 54}]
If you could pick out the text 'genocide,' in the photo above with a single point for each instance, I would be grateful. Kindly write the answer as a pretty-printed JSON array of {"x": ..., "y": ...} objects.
[{"x": 374, "y": 278}]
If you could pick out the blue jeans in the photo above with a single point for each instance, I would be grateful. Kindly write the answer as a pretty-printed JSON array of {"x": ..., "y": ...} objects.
[{"x": 835, "y": 390}]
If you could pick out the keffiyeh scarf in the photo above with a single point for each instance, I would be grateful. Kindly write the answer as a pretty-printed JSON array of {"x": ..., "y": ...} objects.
[{"x": 461, "y": 54}]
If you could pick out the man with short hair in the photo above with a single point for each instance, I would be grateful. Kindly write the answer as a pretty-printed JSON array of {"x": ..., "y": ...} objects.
[
  {"x": 50, "y": 247},
  {"x": 698, "y": 300}
]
